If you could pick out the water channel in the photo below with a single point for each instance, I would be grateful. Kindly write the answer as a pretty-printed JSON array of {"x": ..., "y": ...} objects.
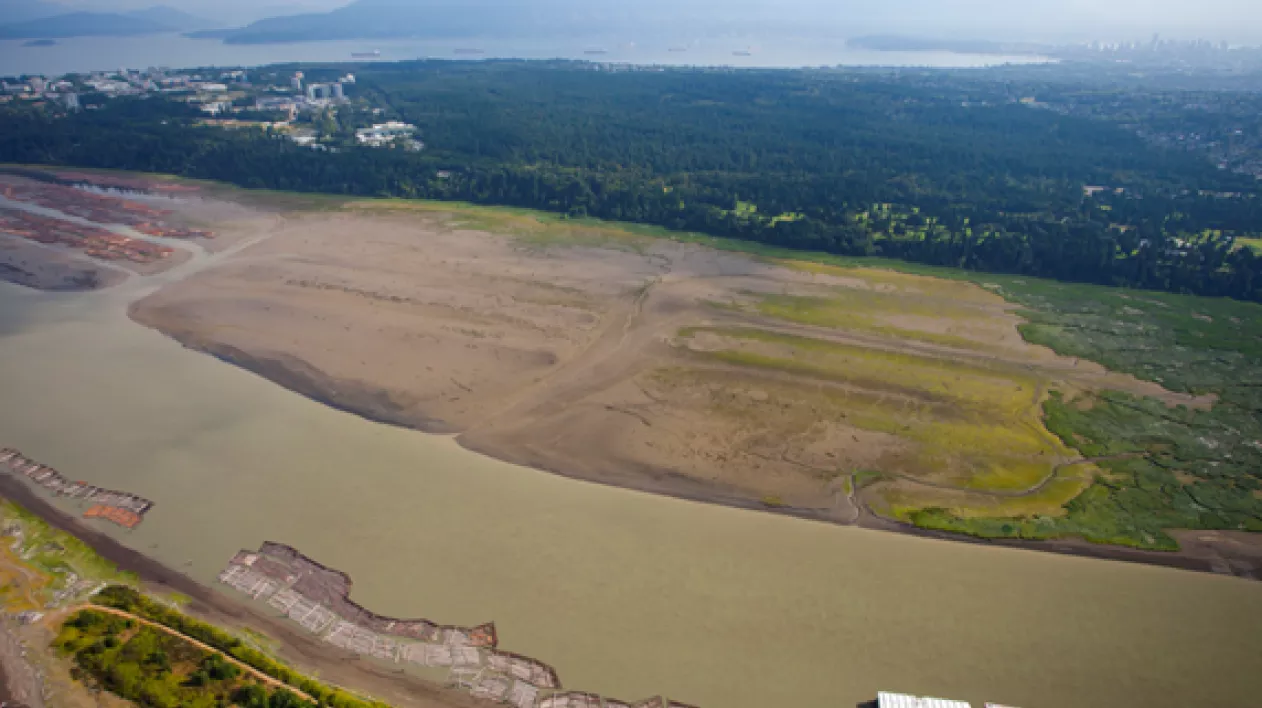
[{"x": 627, "y": 594}]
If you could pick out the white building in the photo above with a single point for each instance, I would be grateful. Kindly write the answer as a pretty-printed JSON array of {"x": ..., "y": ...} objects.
[
  {"x": 384, "y": 133},
  {"x": 215, "y": 108},
  {"x": 902, "y": 700},
  {"x": 338, "y": 92},
  {"x": 316, "y": 92}
]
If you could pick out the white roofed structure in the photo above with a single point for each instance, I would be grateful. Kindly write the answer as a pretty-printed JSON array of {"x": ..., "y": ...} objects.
[{"x": 902, "y": 700}]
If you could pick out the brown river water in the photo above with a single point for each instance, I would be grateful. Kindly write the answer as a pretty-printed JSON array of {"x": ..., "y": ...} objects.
[{"x": 627, "y": 594}]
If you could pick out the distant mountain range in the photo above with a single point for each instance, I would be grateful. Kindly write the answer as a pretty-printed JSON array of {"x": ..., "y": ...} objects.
[
  {"x": 389, "y": 19},
  {"x": 384, "y": 19},
  {"x": 22, "y": 10},
  {"x": 152, "y": 20},
  {"x": 170, "y": 17}
]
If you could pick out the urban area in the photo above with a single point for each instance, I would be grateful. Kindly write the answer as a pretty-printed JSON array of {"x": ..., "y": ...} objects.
[{"x": 312, "y": 112}]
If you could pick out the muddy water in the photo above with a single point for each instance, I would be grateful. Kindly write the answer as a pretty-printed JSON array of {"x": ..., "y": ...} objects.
[{"x": 627, "y": 594}]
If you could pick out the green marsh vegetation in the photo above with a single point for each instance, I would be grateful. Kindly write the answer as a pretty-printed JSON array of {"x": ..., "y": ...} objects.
[
  {"x": 132, "y": 601},
  {"x": 1162, "y": 468},
  {"x": 158, "y": 670}
]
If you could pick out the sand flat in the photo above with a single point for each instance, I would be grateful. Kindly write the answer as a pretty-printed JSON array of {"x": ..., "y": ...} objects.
[
  {"x": 645, "y": 363},
  {"x": 627, "y": 594}
]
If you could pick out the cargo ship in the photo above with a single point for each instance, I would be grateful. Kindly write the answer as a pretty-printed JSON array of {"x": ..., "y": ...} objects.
[{"x": 366, "y": 55}]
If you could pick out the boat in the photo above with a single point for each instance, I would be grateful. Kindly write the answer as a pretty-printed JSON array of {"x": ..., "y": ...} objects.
[
  {"x": 742, "y": 53},
  {"x": 677, "y": 49},
  {"x": 366, "y": 55},
  {"x": 467, "y": 50},
  {"x": 595, "y": 51}
]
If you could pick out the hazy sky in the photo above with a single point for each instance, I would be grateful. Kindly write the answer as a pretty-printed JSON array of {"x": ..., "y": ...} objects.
[{"x": 1234, "y": 20}]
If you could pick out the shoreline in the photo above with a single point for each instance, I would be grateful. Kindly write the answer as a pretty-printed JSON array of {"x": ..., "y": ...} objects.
[
  {"x": 381, "y": 404},
  {"x": 372, "y": 405},
  {"x": 304, "y": 652}
]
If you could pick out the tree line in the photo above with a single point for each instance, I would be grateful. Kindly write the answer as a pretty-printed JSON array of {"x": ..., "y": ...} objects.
[{"x": 928, "y": 169}]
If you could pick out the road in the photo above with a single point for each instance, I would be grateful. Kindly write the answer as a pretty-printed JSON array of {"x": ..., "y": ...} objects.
[{"x": 262, "y": 677}]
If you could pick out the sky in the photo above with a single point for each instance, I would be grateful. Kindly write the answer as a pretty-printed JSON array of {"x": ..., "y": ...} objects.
[{"x": 1233, "y": 20}]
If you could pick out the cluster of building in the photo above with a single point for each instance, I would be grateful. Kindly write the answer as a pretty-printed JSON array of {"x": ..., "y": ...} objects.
[
  {"x": 318, "y": 599},
  {"x": 38, "y": 89},
  {"x": 67, "y": 90},
  {"x": 301, "y": 96},
  {"x": 388, "y": 133},
  {"x": 93, "y": 241},
  {"x": 219, "y": 95},
  {"x": 122, "y": 508}
]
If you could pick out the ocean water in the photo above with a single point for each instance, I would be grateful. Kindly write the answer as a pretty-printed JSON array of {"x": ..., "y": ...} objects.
[{"x": 175, "y": 51}]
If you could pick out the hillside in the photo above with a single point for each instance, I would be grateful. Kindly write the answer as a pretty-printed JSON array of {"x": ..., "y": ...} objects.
[
  {"x": 151, "y": 20},
  {"x": 23, "y": 10},
  {"x": 168, "y": 16},
  {"x": 380, "y": 19},
  {"x": 82, "y": 24}
]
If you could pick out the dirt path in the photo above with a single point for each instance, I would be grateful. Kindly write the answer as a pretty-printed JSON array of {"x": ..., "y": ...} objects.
[
  {"x": 270, "y": 681},
  {"x": 1019, "y": 493},
  {"x": 19, "y": 681},
  {"x": 613, "y": 355}
]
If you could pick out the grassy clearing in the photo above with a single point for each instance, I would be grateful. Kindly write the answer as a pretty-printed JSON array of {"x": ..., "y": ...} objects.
[
  {"x": 973, "y": 428},
  {"x": 21, "y": 588},
  {"x": 1252, "y": 243},
  {"x": 918, "y": 504},
  {"x": 51, "y": 567},
  {"x": 748, "y": 211},
  {"x": 864, "y": 312},
  {"x": 531, "y": 228}
]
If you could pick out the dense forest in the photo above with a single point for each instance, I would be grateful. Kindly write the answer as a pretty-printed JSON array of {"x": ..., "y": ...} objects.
[{"x": 927, "y": 167}]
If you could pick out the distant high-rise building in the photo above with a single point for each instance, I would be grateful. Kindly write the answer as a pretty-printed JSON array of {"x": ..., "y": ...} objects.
[
  {"x": 313, "y": 91},
  {"x": 71, "y": 101},
  {"x": 338, "y": 92},
  {"x": 296, "y": 81}
]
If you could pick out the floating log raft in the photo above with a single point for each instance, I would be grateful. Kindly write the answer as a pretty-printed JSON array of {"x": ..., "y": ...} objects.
[
  {"x": 122, "y": 517},
  {"x": 99, "y": 208},
  {"x": 123, "y": 508},
  {"x": 318, "y": 598}
]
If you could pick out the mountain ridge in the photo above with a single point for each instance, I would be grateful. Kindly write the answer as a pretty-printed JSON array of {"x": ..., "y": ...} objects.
[{"x": 66, "y": 25}]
